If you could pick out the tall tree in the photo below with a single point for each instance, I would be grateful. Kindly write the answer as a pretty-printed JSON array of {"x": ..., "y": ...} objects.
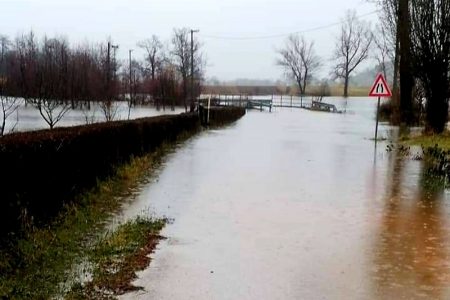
[
  {"x": 153, "y": 48},
  {"x": 181, "y": 52},
  {"x": 406, "y": 76},
  {"x": 389, "y": 39},
  {"x": 431, "y": 52},
  {"x": 299, "y": 59},
  {"x": 352, "y": 47}
]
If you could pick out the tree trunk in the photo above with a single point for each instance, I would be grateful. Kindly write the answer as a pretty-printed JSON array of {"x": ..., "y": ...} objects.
[
  {"x": 300, "y": 86},
  {"x": 346, "y": 80},
  {"x": 2, "y": 129},
  {"x": 437, "y": 104},
  {"x": 406, "y": 78},
  {"x": 185, "y": 93},
  {"x": 395, "y": 99}
]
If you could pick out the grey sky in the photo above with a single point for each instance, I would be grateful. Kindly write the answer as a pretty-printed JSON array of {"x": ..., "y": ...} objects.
[{"x": 130, "y": 21}]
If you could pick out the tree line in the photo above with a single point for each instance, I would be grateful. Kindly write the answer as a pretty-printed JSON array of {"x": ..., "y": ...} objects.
[
  {"x": 352, "y": 46},
  {"x": 411, "y": 45},
  {"x": 54, "y": 76}
]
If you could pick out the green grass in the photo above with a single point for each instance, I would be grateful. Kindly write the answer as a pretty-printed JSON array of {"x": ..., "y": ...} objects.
[
  {"x": 40, "y": 263},
  {"x": 117, "y": 257},
  {"x": 441, "y": 140}
]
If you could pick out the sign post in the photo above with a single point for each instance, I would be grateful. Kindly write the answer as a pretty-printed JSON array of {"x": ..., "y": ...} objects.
[{"x": 379, "y": 89}]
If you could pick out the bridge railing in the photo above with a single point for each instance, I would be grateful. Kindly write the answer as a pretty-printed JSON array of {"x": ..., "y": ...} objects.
[{"x": 257, "y": 101}]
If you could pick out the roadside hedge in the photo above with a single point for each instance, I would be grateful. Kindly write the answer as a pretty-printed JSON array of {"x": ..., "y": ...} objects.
[
  {"x": 220, "y": 115},
  {"x": 40, "y": 171}
]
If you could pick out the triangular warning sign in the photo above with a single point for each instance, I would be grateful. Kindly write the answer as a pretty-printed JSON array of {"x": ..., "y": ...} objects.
[{"x": 380, "y": 88}]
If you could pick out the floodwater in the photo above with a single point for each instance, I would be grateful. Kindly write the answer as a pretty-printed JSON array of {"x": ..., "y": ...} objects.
[
  {"x": 296, "y": 204},
  {"x": 27, "y": 117}
]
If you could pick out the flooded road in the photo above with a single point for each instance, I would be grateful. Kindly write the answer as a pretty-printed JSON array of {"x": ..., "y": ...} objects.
[{"x": 296, "y": 204}]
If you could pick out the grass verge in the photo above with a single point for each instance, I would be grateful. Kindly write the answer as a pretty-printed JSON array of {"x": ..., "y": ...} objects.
[
  {"x": 117, "y": 257},
  {"x": 40, "y": 264},
  {"x": 442, "y": 140}
]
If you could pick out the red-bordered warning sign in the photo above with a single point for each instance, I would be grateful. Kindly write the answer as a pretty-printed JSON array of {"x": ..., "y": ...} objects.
[{"x": 380, "y": 88}]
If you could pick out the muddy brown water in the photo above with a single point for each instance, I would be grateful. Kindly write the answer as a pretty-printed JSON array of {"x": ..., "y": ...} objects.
[{"x": 296, "y": 204}]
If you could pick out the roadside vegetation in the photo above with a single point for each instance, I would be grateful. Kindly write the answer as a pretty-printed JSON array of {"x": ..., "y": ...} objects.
[
  {"x": 429, "y": 140},
  {"x": 435, "y": 153},
  {"x": 47, "y": 255},
  {"x": 45, "y": 170},
  {"x": 40, "y": 264},
  {"x": 115, "y": 259},
  {"x": 413, "y": 40}
]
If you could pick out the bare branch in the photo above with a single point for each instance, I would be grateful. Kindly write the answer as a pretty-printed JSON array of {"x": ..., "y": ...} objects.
[
  {"x": 352, "y": 47},
  {"x": 299, "y": 59}
]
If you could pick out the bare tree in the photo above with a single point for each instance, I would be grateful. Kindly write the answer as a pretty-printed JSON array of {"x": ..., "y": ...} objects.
[
  {"x": 51, "y": 102},
  {"x": 299, "y": 59},
  {"x": 8, "y": 104},
  {"x": 153, "y": 48},
  {"x": 44, "y": 75},
  {"x": 352, "y": 47},
  {"x": 384, "y": 52},
  {"x": 396, "y": 21},
  {"x": 108, "y": 106},
  {"x": 387, "y": 37},
  {"x": 167, "y": 86},
  {"x": 181, "y": 52},
  {"x": 430, "y": 20}
]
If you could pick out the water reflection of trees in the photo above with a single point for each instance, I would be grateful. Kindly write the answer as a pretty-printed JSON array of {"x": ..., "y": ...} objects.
[{"x": 410, "y": 254}]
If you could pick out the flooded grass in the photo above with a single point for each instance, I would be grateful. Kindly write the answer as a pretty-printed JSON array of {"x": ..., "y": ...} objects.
[
  {"x": 39, "y": 262},
  {"x": 426, "y": 141},
  {"x": 436, "y": 154},
  {"x": 117, "y": 257}
]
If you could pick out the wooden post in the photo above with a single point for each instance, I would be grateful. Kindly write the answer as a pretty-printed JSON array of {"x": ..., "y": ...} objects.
[{"x": 291, "y": 101}]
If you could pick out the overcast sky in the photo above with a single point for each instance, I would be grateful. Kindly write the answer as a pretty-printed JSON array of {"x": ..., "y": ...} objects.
[{"x": 130, "y": 21}]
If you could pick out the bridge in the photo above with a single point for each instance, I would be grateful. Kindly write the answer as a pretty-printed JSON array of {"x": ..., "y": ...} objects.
[{"x": 268, "y": 102}]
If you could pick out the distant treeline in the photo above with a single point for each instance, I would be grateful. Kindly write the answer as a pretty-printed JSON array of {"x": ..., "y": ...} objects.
[
  {"x": 54, "y": 76},
  {"x": 242, "y": 90},
  {"x": 322, "y": 89},
  {"x": 44, "y": 170}
]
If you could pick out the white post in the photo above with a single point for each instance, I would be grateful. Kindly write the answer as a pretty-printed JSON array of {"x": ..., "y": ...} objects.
[
  {"x": 376, "y": 127},
  {"x": 209, "y": 106}
]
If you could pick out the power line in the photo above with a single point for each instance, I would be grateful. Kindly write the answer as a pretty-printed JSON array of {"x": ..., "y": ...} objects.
[{"x": 262, "y": 37}]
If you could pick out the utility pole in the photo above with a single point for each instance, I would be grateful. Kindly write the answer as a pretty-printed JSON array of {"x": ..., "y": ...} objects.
[
  {"x": 131, "y": 98},
  {"x": 129, "y": 54},
  {"x": 108, "y": 72},
  {"x": 115, "y": 47},
  {"x": 192, "y": 68}
]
